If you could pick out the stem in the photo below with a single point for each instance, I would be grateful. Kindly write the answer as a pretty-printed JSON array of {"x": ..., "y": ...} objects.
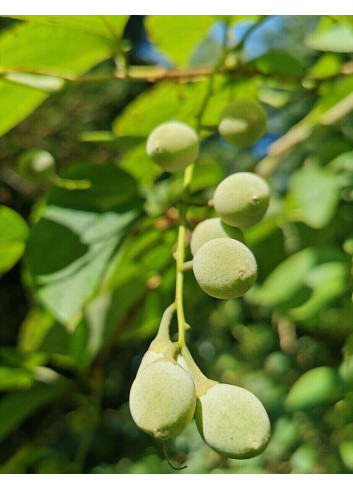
[
  {"x": 187, "y": 266},
  {"x": 202, "y": 383},
  {"x": 71, "y": 184},
  {"x": 257, "y": 24},
  {"x": 180, "y": 251},
  {"x": 163, "y": 331}
]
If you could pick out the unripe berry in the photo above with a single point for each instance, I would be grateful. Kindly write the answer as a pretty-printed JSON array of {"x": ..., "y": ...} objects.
[
  {"x": 241, "y": 199},
  {"x": 242, "y": 123},
  {"x": 37, "y": 166},
  {"x": 149, "y": 357},
  {"x": 232, "y": 421},
  {"x": 224, "y": 268},
  {"x": 173, "y": 146},
  {"x": 162, "y": 399},
  {"x": 211, "y": 229}
]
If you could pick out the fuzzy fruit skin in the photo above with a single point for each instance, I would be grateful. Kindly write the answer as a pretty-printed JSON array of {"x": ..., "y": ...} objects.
[
  {"x": 232, "y": 421},
  {"x": 173, "y": 146},
  {"x": 211, "y": 229},
  {"x": 224, "y": 268},
  {"x": 242, "y": 199},
  {"x": 242, "y": 123},
  {"x": 162, "y": 399}
]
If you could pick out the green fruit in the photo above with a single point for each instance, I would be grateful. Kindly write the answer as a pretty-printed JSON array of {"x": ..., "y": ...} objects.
[
  {"x": 211, "y": 229},
  {"x": 173, "y": 146},
  {"x": 149, "y": 357},
  {"x": 242, "y": 123},
  {"x": 224, "y": 268},
  {"x": 241, "y": 199},
  {"x": 232, "y": 421},
  {"x": 37, "y": 166},
  {"x": 162, "y": 399}
]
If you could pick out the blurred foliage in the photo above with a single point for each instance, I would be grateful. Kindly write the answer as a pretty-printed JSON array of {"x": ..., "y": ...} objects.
[{"x": 86, "y": 258}]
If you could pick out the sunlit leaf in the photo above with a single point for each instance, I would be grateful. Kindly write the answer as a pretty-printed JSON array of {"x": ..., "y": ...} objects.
[
  {"x": 176, "y": 35},
  {"x": 328, "y": 281},
  {"x": 51, "y": 49},
  {"x": 337, "y": 38},
  {"x": 328, "y": 65},
  {"x": 13, "y": 236},
  {"x": 12, "y": 112},
  {"x": 290, "y": 276},
  {"x": 317, "y": 387},
  {"x": 103, "y": 25},
  {"x": 316, "y": 194}
]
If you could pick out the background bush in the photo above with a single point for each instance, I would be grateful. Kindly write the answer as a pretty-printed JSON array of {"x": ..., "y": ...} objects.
[{"x": 86, "y": 263}]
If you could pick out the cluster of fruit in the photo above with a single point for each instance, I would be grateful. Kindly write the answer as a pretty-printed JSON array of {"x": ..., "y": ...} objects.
[
  {"x": 223, "y": 265},
  {"x": 169, "y": 389}
]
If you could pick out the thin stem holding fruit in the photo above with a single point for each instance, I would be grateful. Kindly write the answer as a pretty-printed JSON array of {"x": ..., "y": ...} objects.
[
  {"x": 188, "y": 174},
  {"x": 180, "y": 254}
]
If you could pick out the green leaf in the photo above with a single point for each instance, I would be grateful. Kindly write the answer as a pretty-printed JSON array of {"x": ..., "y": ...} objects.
[
  {"x": 328, "y": 281},
  {"x": 17, "y": 406},
  {"x": 343, "y": 19},
  {"x": 278, "y": 63},
  {"x": 145, "y": 170},
  {"x": 108, "y": 188},
  {"x": 334, "y": 102},
  {"x": 101, "y": 25},
  {"x": 12, "y": 112},
  {"x": 346, "y": 452},
  {"x": 15, "y": 378},
  {"x": 304, "y": 459},
  {"x": 33, "y": 58},
  {"x": 145, "y": 323},
  {"x": 335, "y": 38},
  {"x": 13, "y": 236},
  {"x": 317, "y": 387},
  {"x": 159, "y": 104},
  {"x": 22, "y": 461},
  {"x": 70, "y": 246},
  {"x": 166, "y": 101},
  {"x": 285, "y": 282},
  {"x": 177, "y": 35},
  {"x": 327, "y": 65},
  {"x": 316, "y": 193},
  {"x": 343, "y": 162},
  {"x": 41, "y": 332},
  {"x": 105, "y": 314},
  {"x": 51, "y": 49},
  {"x": 78, "y": 346}
]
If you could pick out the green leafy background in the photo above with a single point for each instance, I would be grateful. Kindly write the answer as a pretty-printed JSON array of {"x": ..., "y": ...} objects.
[{"x": 86, "y": 260}]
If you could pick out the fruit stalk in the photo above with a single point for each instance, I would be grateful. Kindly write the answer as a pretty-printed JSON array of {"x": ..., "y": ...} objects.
[
  {"x": 188, "y": 174},
  {"x": 180, "y": 254}
]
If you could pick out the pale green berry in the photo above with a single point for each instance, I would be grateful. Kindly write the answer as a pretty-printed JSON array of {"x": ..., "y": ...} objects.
[
  {"x": 162, "y": 399},
  {"x": 173, "y": 146},
  {"x": 37, "y": 166},
  {"x": 232, "y": 421},
  {"x": 242, "y": 199},
  {"x": 242, "y": 123},
  {"x": 211, "y": 229},
  {"x": 224, "y": 268},
  {"x": 149, "y": 357}
]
